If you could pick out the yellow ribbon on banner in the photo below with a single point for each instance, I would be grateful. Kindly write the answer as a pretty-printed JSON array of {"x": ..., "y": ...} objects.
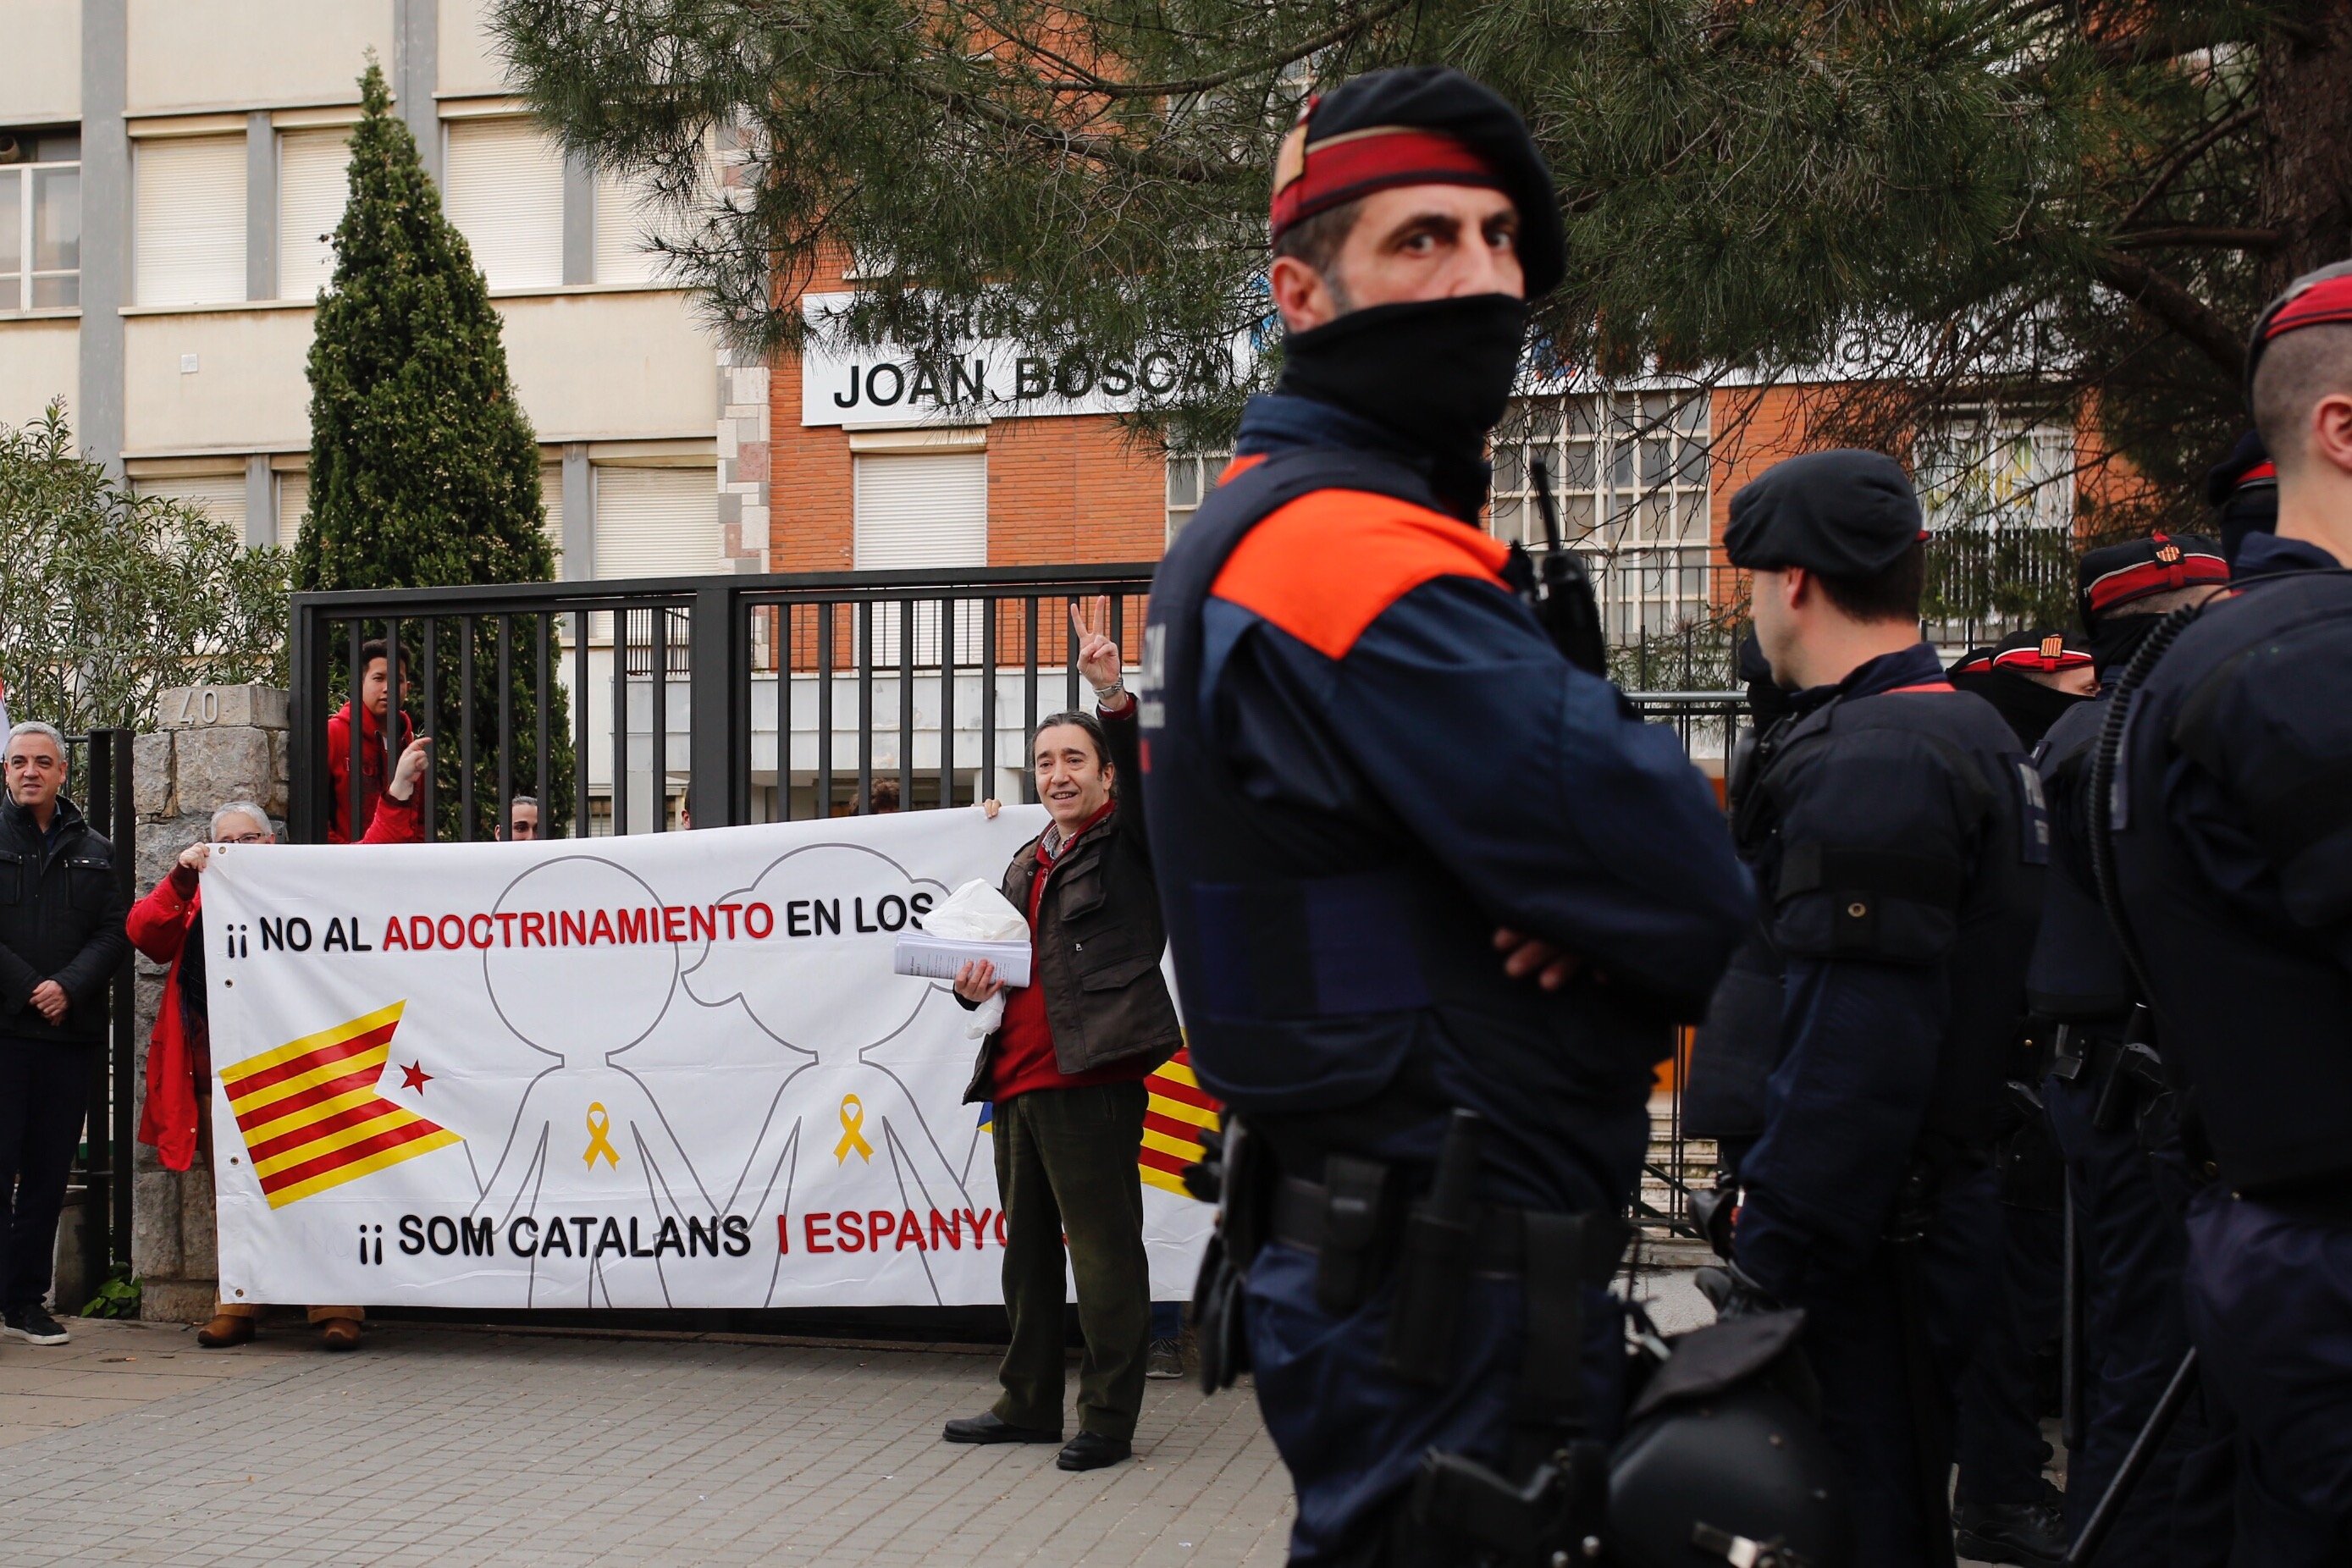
[
  {"x": 599, "y": 1124},
  {"x": 853, "y": 1118}
]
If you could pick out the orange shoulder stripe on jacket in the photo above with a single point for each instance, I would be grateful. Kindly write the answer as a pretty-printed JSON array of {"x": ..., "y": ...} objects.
[{"x": 1324, "y": 567}]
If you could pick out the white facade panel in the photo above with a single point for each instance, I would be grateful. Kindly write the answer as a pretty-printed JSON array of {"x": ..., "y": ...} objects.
[
  {"x": 502, "y": 186},
  {"x": 188, "y": 220},
  {"x": 656, "y": 523},
  {"x": 39, "y": 359},
  {"x": 247, "y": 54},
  {"x": 313, "y": 187},
  {"x": 40, "y": 69},
  {"x": 248, "y": 391},
  {"x": 612, "y": 367}
]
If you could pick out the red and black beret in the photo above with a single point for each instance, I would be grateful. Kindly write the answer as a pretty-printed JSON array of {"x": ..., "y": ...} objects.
[{"x": 2120, "y": 574}]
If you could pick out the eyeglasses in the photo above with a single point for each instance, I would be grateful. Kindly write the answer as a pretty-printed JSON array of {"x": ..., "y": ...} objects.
[{"x": 246, "y": 838}]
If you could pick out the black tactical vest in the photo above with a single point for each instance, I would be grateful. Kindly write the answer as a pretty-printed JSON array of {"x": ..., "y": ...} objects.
[
  {"x": 2245, "y": 936},
  {"x": 1905, "y": 827}
]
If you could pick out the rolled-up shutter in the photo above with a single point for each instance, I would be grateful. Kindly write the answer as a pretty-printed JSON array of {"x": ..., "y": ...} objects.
[
  {"x": 658, "y": 522},
  {"x": 921, "y": 509},
  {"x": 550, "y": 500},
  {"x": 188, "y": 238},
  {"x": 221, "y": 495},
  {"x": 503, "y": 187},
  {"x": 293, "y": 507},
  {"x": 313, "y": 186},
  {"x": 916, "y": 510}
]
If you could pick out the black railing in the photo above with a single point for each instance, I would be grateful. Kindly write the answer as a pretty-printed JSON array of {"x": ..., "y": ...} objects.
[
  {"x": 99, "y": 764},
  {"x": 1708, "y": 724},
  {"x": 779, "y": 697}
]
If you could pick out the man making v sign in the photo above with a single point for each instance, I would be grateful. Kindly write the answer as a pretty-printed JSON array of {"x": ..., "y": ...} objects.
[{"x": 1065, "y": 1072}]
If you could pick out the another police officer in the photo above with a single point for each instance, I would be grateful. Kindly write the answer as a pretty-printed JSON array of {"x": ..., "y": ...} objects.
[
  {"x": 2107, "y": 1094},
  {"x": 2225, "y": 786},
  {"x": 1895, "y": 829},
  {"x": 1365, "y": 756}
]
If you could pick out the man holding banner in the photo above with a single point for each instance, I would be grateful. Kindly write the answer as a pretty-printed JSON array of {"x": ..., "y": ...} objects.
[{"x": 1065, "y": 1072}]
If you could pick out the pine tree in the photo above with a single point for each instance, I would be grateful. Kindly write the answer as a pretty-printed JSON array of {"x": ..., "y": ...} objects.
[
  {"x": 424, "y": 469},
  {"x": 2067, "y": 208}
]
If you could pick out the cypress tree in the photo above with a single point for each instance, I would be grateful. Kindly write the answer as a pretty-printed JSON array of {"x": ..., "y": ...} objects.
[{"x": 423, "y": 468}]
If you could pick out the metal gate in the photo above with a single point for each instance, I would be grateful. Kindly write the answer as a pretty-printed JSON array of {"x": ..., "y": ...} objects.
[{"x": 99, "y": 773}]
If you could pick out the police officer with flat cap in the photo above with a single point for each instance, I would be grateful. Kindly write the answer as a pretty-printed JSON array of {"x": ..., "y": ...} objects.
[
  {"x": 2108, "y": 1097},
  {"x": 2223, "y": 797},
  {"x": 1436, "y": 899},
  {"x": 1897, "y": 836},
  {"x": 2243, "y": 490}
]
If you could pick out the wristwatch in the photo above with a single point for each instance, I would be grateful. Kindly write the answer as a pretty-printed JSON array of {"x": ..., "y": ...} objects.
[{"x": 1105, "y": 694}]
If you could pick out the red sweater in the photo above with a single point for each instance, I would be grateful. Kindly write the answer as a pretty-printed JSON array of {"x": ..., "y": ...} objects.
[{"x": 1023, "y": 1058}]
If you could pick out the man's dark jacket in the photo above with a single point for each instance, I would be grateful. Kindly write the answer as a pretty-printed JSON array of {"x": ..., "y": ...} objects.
[
  {"x": 1098, "y": 936},
  {"x": 61, "y": 915}
]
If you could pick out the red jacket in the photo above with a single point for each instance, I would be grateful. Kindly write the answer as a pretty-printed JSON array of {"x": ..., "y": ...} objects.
[
  {"x": 371, "y": 779},
  {"x": 158, "y": 924}
]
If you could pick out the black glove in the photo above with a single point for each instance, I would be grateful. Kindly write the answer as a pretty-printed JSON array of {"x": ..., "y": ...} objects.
[{"x": 1733, "y": 1294}]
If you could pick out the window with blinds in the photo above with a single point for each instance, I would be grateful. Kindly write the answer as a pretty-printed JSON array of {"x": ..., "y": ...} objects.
[
  {"x": 920, "y": 510},
  {"x": 502, "y": 186},
  {"x": 656, "y": 523},
  {"x": 313, "y": 184},
  {"x": 188, "y": 220},
  {"x": 626, "y": 218},
  {"x": 550, "y": 500},
  {"x": 219, "y": 496},
  {"x": 293, "y": 508}
]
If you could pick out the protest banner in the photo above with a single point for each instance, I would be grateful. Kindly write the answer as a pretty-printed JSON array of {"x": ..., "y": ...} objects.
[{"x": 662, "y": 1070}]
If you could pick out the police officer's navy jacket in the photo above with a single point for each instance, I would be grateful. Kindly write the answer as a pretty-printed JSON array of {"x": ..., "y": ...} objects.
[
  {"x": 1365, "y": 756},
  {"x": 2232, "y": 830},
  {"x": 1895, "y": 832},
  {"x": 61, "y": 915},
  {"x": 2077, "y": 975}
]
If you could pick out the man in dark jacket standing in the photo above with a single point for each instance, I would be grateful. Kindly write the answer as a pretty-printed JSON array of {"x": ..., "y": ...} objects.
[
  {"x": 61, "y": 942},
  {"x": 1066, "y": 1073}
]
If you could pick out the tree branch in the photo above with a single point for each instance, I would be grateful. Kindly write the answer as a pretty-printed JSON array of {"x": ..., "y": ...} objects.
[
  {"x": 2186, "y": 234},
  {"x": 2186, "y": 156},
  {"x": 1101, "y": 87},
  {"x": 2175, "y": 308}
]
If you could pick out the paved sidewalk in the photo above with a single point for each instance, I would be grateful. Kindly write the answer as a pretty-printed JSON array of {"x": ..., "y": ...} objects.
[
  {"x": 437, "y": 1446},
  {"x": 447, "y": 1446}
]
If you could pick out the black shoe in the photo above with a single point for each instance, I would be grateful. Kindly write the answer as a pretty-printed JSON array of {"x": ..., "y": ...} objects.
[
  {"x": 2028, "y": 1533},
  {"x": 1164, "y": 1359},
  {"x": 34, "y": 1325},
  {"x": 1092, "y": 1451},
  {"x": 988, "y": 1430}
]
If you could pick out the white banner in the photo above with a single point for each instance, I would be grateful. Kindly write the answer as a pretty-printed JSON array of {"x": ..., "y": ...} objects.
[{"x": 668, "y": 1070}]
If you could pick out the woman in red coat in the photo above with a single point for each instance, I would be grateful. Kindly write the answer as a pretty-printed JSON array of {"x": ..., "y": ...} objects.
[{"x": 179, "y": 1053}]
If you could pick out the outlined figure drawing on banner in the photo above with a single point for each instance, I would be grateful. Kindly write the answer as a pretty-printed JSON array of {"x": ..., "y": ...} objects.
[
  {"x": 849, "y": 1161},
  {"x": 586, "y": 1126}
]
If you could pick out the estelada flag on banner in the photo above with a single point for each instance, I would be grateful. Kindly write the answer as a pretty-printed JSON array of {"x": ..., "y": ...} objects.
[
  {"x": 311, "y": 1117},
  {"x": 1178, "y": 1112}
]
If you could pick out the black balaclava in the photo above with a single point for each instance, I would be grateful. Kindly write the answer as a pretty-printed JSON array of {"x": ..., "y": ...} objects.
[{"x": 1436, "y": 374}]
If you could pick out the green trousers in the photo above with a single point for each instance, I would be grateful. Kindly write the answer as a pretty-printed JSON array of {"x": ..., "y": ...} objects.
[{"x": 1066, "y": 1166}]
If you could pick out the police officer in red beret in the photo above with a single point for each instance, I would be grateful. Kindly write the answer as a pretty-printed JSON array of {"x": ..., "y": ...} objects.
[
  {"x": 2224, "y": 795},
  {"x": 1436, "y": 899}
]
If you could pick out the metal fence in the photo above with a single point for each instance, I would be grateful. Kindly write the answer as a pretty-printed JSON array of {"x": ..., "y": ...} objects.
[
  {"x": 778, "y": 697},
  {"x": 99, "y": 766}
]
